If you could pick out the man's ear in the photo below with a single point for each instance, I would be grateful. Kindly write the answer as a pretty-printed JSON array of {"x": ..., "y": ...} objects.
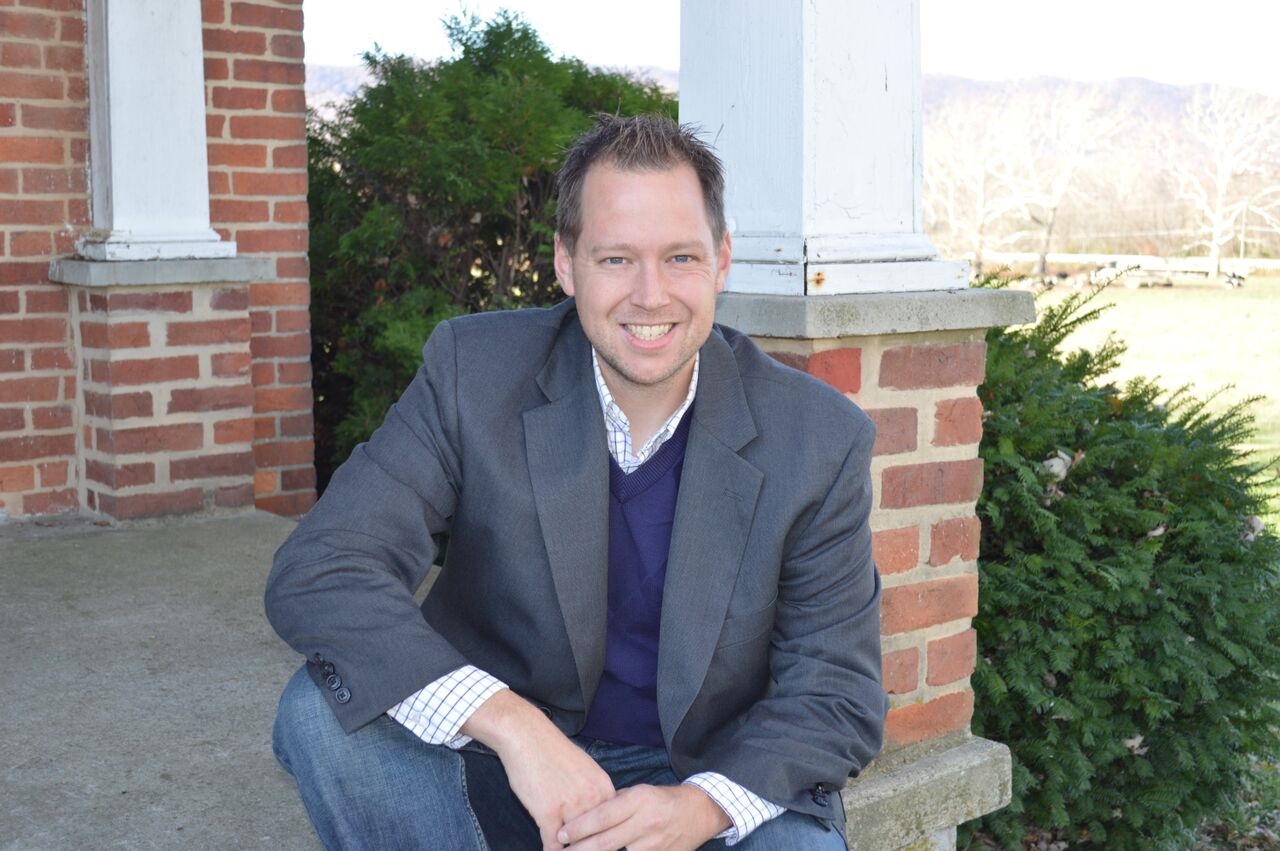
[
  {"x": 724, "y": 259},
  {"x": 564, "y": 267}
]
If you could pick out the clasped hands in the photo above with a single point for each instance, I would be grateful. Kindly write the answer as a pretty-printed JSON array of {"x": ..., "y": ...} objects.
[{"x": 571, "y": 798}]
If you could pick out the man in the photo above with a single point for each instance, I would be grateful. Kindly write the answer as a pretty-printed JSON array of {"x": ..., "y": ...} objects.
[{"x": 657, "y": 624}]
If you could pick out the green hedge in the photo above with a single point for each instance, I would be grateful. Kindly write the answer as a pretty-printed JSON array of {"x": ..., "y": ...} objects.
[{"x": 1129, "y": 622}]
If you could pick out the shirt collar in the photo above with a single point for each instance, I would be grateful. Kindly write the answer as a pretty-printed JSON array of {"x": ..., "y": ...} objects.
[{"x": 618, "y": 427}]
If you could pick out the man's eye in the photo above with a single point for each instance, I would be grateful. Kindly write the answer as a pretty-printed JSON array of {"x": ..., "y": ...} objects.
[
  {"x": 614, "y": 261},
  {"x": 683, "y": 258}
]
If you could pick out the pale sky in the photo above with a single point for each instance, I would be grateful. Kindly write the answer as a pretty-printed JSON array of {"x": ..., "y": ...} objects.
[{"x": 1172, "y": 41}]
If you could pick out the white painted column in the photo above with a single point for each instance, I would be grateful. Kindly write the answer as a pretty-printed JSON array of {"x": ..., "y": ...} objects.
[
  {"x": 148, "y": 161},
  {"x": 814, "y": 106}
]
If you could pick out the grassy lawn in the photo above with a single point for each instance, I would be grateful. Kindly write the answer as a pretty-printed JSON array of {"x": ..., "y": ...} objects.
[{"x": 1211, "y": 338}]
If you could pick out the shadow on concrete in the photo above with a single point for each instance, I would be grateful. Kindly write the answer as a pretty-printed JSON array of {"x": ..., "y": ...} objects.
[{"x": 140, "y": 686}]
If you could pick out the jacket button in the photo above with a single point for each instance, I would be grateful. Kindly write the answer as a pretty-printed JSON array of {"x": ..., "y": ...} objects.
[
  {"x": 546, "y": 710},
  {"x": 342, "y": 695},
  {"x": 334, "y": 682},
  {"x": 820, "y": 795}
]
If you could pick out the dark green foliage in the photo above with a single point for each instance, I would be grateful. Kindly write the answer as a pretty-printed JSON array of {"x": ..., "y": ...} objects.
[
  {"x": 431, "y": 195},
  {"x": 1129, "y": 624}
]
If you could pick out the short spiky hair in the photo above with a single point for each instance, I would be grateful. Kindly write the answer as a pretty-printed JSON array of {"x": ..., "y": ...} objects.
[{"x": 649, "y": 142}]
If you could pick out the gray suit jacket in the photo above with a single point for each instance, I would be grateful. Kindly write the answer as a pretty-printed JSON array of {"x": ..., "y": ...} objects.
[{"x": 769, "y": 660}]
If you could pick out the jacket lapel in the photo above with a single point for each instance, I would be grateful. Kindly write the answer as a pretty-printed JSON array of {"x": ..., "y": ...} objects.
[
  {"x": 718, "y": 492},
  {"x": 569, "y": 464}
]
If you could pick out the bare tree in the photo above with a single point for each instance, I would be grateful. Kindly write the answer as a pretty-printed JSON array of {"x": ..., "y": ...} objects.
[{"x": 1225, "y": 167}]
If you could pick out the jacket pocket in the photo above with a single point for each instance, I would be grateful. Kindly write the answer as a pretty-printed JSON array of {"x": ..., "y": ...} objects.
[{"x": 746, "y": 626}]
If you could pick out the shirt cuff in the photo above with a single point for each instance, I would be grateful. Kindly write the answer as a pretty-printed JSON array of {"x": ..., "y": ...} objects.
[
  {"x": 745, "y": 809},
  {"x": 437, "y": 712}
]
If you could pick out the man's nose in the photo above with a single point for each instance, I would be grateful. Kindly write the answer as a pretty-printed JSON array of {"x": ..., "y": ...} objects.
[{"x": 649, "y": 291}]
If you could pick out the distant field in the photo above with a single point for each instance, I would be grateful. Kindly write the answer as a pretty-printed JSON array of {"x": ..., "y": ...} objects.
[{"x": 1208, "y": 337}]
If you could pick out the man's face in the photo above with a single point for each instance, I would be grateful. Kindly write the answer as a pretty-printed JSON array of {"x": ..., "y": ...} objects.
[{"x": 645, "y": 273}]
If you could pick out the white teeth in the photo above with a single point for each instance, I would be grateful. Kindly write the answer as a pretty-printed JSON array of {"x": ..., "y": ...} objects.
[{"x": 648, "y": 333}]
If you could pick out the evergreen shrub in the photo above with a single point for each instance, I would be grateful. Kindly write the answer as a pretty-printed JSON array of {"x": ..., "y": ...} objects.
[
  {"x": 1129, "y": 623},
  {"x": 431, "y": 195}
]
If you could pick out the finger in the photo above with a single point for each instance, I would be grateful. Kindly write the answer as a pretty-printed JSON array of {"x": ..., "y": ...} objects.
[
  {"x": 550, "y": 842},
  {"x": 599, "y": 818},
  {"x": 621, "y": 836}
]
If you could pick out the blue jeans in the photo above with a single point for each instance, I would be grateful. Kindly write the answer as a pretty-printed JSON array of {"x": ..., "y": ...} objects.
[{"x": 383, "y": 788}]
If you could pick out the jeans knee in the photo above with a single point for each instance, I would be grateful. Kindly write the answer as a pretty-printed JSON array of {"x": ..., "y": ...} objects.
[{"x": 303, "y": 720}]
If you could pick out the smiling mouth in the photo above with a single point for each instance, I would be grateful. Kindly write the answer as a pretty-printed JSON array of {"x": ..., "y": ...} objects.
[{"x": 648, "y": 333}]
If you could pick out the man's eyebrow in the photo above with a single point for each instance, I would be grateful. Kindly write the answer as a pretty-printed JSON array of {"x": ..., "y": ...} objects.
[{"x": 690, "y": 247}]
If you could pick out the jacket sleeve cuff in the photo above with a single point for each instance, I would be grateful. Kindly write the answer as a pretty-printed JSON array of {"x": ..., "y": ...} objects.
[
  {"x": 436, "y": 712},
  {"x": 744, "y": 808}
]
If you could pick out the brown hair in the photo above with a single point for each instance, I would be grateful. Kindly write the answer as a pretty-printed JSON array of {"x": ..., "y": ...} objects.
[{"x": 648, "y": 142}]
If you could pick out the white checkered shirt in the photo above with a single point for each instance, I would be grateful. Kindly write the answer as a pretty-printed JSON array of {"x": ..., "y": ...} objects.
[{"x": 437, "y": 712}]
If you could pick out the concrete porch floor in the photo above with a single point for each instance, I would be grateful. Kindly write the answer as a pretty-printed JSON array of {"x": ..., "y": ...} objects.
[{"x": 141, "y": 681}]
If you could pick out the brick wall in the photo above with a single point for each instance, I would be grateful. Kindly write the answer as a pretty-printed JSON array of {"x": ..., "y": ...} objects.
[
  {"x": 103, "y": 390},
  {"x": 44, "y": 199},
  {"x": 920, "y": 390}
]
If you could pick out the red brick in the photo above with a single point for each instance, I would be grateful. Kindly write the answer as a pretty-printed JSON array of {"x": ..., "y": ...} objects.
[
  {"x": 120, "y": 475},
  {"x": 49, "y": 419},
  {"x": 261, "y": 322},
  {"x": 210, "y": 398},
  {"x": 78, "y": 212},
  {"x": 284, "y": 453},
  {"x": 241, "y": 155},
  {"x": 216, "y": 68},
  {"x": 31, "y": 244},
  {"x": 151, "y": 504},
  {"x": 266, "y": 400},
  {"x": 13, "y": 360},
  {"x": 915, "y": 367},
  {"x": 952, "y": 658},
  {"x": 19, "y": 54},
  {"x": 23, "y": 273},
  {"x": 250, "y": 183},
  {"x": 51, "y": 502},
  {"x": 211, "y": 466},
  {"x": 266, "y": 71},
  {"x": 289, "y": 101},
  {"x": 224, "y": 210},
  {"x": 234, "y": 41},
  {"x": 78, "y": 92},
  {"x": 172, "y": 302},
  {"x": 288, "y": 505},
  {"x": 230, "y": 298},
  {"x": 956, "y": 538},
  {"x": 920, "y": 722},
  {"x": 920, "y": 604},
  {"x": 155, "y": 370},
  {"x": 957, "y": 422},
  {"x": 264, "y": 428},
  {"x": 294, "y": 373},
  {"x": 17, "y": 479},
  {"x": 935, "y": 483},
  {"x": 55, "y": 118},
  {"x": 267, "y": 127},
  {"x": 65, "y": 57},
  {"x": 219, "y": 183},
  {"x": 895, "y": 430},
  {"x": 47, "y": 301},
  {"x": 8, "y": 176},
  {"x": 279, "y": 293},
  {"x": 289, "y": 156},
  {"x": 32, "y": 330},
  {"x": 266, "y": 17},
  {"x": 166, "y": 438},
  {"x": 56, "y": 358},
  {"x": 53, "y": 5},
  {"x": 12, "y": 419},
  {"x": 54, "y": 181},
  {"x": 118, "y": 406},
  {"x": 32, "y": 447},
  {"x": 264, "y": 372},
  {"x": 278, "y": 240},
  {"x": 213, "y": 11},
  {"x": 293, "y": 320},
  {"x": 72, "y": 30},
  {"x": 28, "y": 25},
  {"x": 68, "y": 387},
  {"x": 208, "y": 332},
  {"x": 118, "y": 335},
  {"x": 239, "y": 98},
  {"x": 287, "y": 46},
  {"x": 896, "y": 550},
  {"x": 231, "y": 364},
  {"x": 53, "y": 474},
  {"x": 298, "y": 425},
  {"x": 291, "y": 212},
  {"x": 10, "y": 302},
  {"x": 901, "y": 671},
  {"x": 30, "y": 87},
  {"x": 281, "y": 346},
  {"x": 15, "y": 390},
  {"x": 27, "y": 212},
  {"x": 233, "y": 431},
  {"x": 233, "y": 496}
]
